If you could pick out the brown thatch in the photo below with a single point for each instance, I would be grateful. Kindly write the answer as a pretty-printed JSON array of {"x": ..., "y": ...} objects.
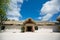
[{"x": 29, "y": 21}]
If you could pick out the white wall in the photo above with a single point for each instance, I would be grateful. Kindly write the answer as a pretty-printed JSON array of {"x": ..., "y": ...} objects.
[
  {"x": 40, "y": 28},
  {"x": 12, "y": 27},
  {"x": 46, "y": 28}
]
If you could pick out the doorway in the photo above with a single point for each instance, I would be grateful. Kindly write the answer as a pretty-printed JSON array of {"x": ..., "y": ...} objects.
[{"x": 29, "y": 28}]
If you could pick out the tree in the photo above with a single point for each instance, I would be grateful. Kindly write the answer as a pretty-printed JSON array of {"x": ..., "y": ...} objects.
[
  {"x": 58, "y": 24},
  {"x": 58, "y": 19},
  {"x": 3, "y": 9}
]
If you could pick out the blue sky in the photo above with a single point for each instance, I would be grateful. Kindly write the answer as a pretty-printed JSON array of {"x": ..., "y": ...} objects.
[
  {"x": 40, "y": 10},
  {"x": 31, "y": 9}
]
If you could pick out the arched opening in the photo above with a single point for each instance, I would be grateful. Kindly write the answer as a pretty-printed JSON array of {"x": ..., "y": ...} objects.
[
  {"x": 29, "y": 26},
  {"x": 29, "y": 29}
]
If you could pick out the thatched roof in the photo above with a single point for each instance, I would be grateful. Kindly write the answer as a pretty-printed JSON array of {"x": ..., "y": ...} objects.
[
  {"x": 29, "y": 21},
  {"x": 12, "y": 22}
]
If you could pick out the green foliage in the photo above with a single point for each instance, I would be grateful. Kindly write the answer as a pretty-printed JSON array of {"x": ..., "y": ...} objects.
[
  {"x": 22, "y": 29},
  {"x": 36, "y": 27},
  {"x": 2, "y": 15},
  {"x": 3, "y": 9},
  {"x": 4, "y": 4}
]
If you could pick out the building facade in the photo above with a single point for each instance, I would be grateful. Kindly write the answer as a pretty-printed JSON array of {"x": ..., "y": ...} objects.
[{"x": 30, "y": 26}]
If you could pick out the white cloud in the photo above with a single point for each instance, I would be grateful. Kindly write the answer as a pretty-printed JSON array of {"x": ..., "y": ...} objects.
[
  {"x": 21, "y": 1},
  {"x": 46, "y": 17},
  {"x": 14, "y": 18},
  {"x": 49, "y": 9},
  {"x": 15, "y": 10}
]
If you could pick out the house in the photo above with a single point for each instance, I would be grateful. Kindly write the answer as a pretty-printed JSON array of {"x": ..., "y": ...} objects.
[{"x": 29, "y": 26}]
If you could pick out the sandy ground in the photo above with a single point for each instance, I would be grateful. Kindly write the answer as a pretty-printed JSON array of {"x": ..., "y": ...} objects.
[{"x": 17, "y": 35}]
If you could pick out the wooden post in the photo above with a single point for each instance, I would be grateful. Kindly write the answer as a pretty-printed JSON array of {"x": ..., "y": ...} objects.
[{"x": 32, "y": 29}]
